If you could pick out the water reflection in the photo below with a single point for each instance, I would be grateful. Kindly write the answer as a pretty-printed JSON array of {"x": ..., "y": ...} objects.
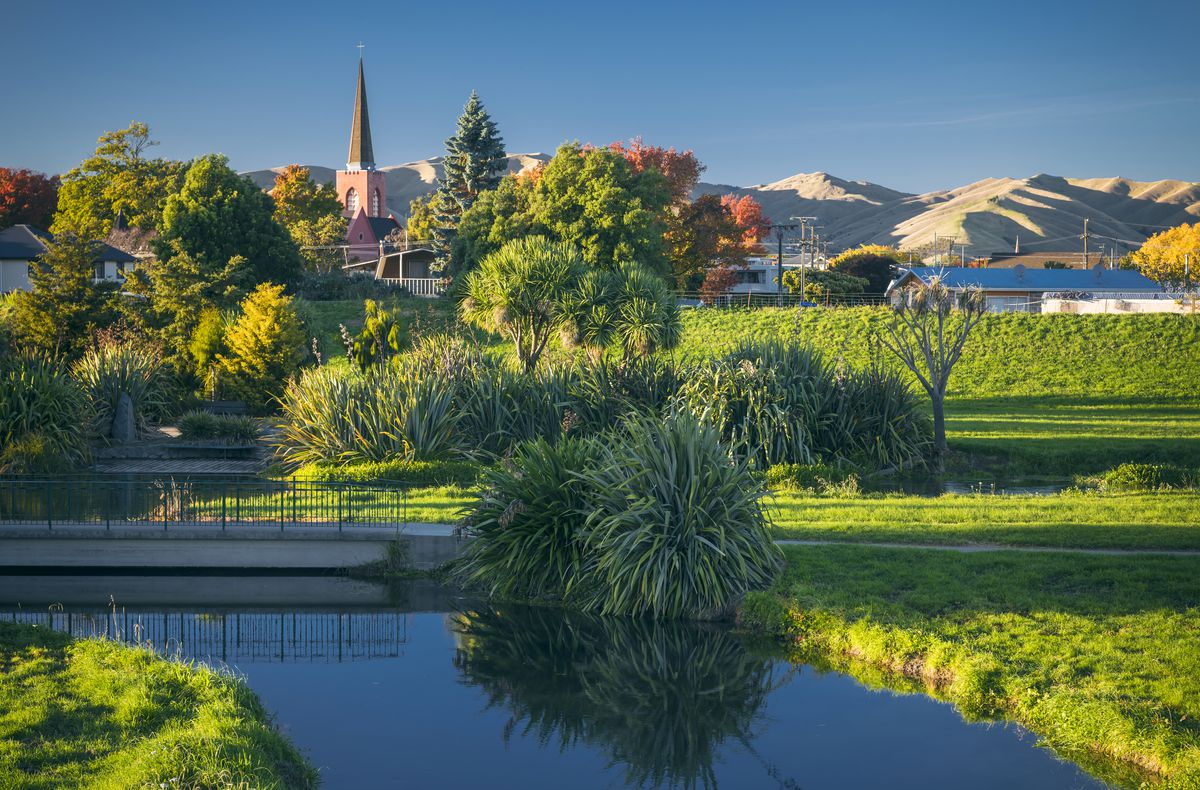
[{"x": 657, "y": 699}]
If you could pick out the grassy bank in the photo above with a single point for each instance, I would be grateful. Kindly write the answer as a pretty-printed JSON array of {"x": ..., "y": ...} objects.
[
  {"x": 90, "y": 713},
  {"x": 1099, "y": 655},
  {"x": 1008, "y": 355},
  {"x": 1167, "y": 520}
]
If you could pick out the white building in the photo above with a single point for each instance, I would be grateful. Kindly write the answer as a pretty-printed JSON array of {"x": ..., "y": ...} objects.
[{"x": 21, "y": 245}]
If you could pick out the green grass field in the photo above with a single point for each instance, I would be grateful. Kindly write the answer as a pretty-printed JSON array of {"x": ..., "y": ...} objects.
[
  {"x": 91, "y": 713},
  {"x": 1099, "y": 655},
  {"x": 1067, "y": 520},
  {"x": 1066, "y": 437}
]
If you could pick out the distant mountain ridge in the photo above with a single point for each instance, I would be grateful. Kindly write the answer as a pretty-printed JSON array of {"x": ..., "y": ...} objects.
[{"x": 1044, "y": 212}]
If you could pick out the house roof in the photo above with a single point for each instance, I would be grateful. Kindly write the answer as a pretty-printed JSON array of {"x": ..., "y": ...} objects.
[
  {"x": 25, "y": 242},
  {"x": 1037, "y": 260},
  {"x": 1018, "y": 278}
]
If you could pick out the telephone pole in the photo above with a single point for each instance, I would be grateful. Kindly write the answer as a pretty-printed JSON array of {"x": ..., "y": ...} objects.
[
  {"x": 780, "y": 230},
  {"x": 803, "y": 282},
  {"x": 1085, "y": 242}
]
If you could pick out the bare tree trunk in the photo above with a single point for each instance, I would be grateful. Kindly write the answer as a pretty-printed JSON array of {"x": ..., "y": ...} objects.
[{"x": 940, "y": 447}]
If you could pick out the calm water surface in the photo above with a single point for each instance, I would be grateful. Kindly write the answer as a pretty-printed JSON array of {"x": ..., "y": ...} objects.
[{"x": 412, "y": 686}]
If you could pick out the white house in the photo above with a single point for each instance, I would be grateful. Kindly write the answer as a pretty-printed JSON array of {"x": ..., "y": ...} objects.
[
  {"x": 21, "y": 245},
  {"x": 1018, "y": 289}
]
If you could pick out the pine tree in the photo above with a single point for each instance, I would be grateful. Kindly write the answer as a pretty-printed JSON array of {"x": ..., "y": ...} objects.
[{"x": 474, "y": 163}]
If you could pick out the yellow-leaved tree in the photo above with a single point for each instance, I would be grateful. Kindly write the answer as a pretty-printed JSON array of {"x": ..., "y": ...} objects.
[
  {"x": 263, "y": 346},
  {"x": 1161, "y": 258}
]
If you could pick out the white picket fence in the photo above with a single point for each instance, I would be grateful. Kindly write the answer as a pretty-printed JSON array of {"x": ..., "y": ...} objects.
[{"x": 419, "y": 286}]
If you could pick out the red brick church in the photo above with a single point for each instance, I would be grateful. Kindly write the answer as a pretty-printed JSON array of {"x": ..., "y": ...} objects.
[{"x": 363, "y": 189}]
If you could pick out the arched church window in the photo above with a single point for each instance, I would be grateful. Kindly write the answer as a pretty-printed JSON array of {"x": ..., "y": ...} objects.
[
  {"x": 351, "y": 201},
  {"x": 375, "y": 203}
]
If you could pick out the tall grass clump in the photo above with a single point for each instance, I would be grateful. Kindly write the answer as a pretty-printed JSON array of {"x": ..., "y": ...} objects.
[
  {"x": 529, "y": 524},
  {"x": 675, "y": 527},
  {"x": 655, "y": 518},
  {"x": 44, "y": 417},
  {"x": 387, "y": 413},
  {"x": 112, "y": 370},
  {"x": 782, "y": 403}
]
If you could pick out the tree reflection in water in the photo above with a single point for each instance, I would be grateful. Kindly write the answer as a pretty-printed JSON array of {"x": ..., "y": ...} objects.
[{"x": 658, "y": 698}]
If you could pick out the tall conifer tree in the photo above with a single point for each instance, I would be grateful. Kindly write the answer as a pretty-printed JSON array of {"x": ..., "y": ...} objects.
[{"x": 474, "y": 163}]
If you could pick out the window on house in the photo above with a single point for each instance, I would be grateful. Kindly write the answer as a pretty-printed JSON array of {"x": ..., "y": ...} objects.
[{"x": 351, "y": 200}]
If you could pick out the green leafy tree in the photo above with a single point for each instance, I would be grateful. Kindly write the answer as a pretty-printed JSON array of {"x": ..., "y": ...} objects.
[
  {"x": 383, "y": 336},
  {"x": 64, "y": 306},
  {"x": 497, "y": 217},
  {"x": 217, "y": 216},
  {"x": 264, "y": 345},
  {"x": 520, "y": 290},
  {"x": 312, "y": 215},
  {"x": 207, "y": 341},
  {"x": 118, "y": 179},
  {"x": 827, "y": 285},
  {"x": 474, "y": 163},
  {"x": 422, "y": 217},
  {"x": 178, "y": 289},
  {"x": 873, "y": 262},
  {"x": 593, "y": 199}
]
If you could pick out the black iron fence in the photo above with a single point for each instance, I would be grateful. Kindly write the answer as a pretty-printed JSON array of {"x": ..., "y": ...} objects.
[
  {"x": 220, "y": 503},
  {"x": 237, "y": 637}
]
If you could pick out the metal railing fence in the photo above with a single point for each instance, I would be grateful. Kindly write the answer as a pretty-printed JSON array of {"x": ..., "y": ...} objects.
[
  {"x": 220, "y": 503},
  {"x": 758, "y": 299}
]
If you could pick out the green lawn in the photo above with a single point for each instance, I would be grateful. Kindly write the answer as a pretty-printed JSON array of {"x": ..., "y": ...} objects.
[
  {"x": 1078, "y": 520},
  {"x": 90, "y": 713},
  {"x": 1099, "y": 655},
  {"x": 1067, "y": 437}
]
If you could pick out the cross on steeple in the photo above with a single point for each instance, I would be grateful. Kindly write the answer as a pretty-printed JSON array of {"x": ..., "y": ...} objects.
[{"x": 361, "y": 46}]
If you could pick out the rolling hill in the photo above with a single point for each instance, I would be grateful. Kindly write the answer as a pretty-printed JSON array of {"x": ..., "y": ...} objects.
[{"x": 1044, "y": 212}]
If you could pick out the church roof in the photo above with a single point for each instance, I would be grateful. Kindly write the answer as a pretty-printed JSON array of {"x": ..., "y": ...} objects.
[{"x": 362, "y": 156}]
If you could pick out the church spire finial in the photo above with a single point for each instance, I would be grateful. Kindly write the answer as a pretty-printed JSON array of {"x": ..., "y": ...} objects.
[{"x": 362, "y": 156}]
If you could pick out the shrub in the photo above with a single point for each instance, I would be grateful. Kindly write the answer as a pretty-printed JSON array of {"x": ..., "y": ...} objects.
[
  {"x": 1146, "y": 477},
  {"x": 421, "y": 473},
  {"x": 110, "y": 371},
  {"x": 675, "y": 527},
  {"x": 383, "y": 336},
  {"x": 201, "y": 425},
  {"x": 655, "y": 518},
  {"x": 388, "y": 413},
  {"x": 264, "y": 345},
  {"x": 528, "y": 522},
  {"x": 44, "y": 417}
]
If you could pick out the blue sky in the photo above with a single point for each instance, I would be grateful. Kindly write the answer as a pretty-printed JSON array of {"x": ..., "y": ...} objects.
[{"x": 913, "y": 95}]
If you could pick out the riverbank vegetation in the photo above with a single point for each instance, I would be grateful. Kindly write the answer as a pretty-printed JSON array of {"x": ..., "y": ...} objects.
[
  {"x": 1099, "y": 655},
  {"x": 652, "y": 518},
  {"x": 93, "y": 713}
]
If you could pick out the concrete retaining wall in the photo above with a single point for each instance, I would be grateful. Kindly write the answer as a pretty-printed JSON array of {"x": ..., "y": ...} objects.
[{"x": 86, "y": 546}]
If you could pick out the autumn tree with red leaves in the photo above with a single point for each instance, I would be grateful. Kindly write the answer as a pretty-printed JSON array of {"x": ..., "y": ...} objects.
[
  {"x": 681, "y": 168},
  {"x": 27, "y": 198},
  {"x": 748, "y": 215}
]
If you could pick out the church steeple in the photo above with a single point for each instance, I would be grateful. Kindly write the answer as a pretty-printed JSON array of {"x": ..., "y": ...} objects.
[{"x": 362, "y": 156}]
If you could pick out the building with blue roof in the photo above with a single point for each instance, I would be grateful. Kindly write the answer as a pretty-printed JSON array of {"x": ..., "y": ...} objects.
[{"x": 1018, "y": 289}]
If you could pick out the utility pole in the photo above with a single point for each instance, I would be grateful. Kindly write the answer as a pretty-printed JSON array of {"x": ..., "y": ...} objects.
[
  {"x": 803, "y": 279},
  {"x": 780, "y": 230},
  {"x": 962, "y": 255},
  {"x": 1085, "y": 242}
]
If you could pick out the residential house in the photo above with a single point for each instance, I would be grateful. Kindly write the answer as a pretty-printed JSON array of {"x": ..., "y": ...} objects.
[
  {"x": 1018, "y": 289},
  {"x": 22, "y": 245}
]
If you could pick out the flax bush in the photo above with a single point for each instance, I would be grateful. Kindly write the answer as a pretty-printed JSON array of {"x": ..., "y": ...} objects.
[
  {"x": 655, "y": 518},
  {"x": 108, "y": 372},
  {"x": 44, "y": 417}
]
